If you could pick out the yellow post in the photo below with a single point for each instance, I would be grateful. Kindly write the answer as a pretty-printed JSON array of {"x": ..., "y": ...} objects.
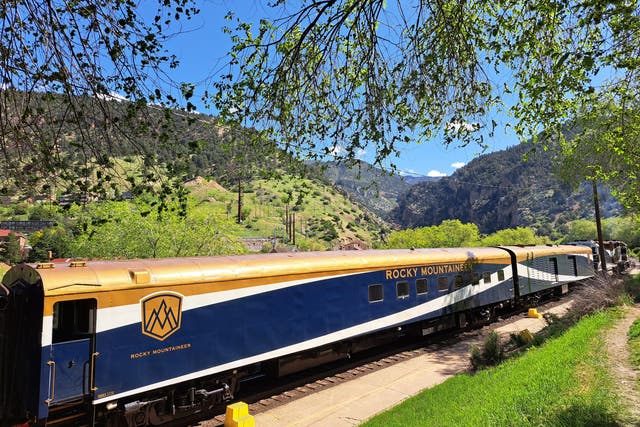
[
  {"x": 534, "y": 313},
  {"x": 237, "y": 415},
  {"x": 526, "y": 335}
]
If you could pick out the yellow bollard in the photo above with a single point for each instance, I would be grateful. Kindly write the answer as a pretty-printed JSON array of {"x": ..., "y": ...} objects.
[
  {"x": 237, "y": 415},
  {"x": 534, "y": 313},
  {"x": 526, "y": 335}
]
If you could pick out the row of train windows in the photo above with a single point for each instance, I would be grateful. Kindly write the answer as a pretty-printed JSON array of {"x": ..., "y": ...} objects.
[{"x": 376, "y": 292}]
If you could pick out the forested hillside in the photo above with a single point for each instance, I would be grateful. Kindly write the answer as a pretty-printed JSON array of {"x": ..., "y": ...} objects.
[{"x": 501, "y": 190}]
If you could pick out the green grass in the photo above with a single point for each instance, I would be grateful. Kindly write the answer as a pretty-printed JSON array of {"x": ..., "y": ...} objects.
[
  {"x": 563, "y": 383},
  {"x": 632, "y": 287},
  {"x": 634, "y": 343}
]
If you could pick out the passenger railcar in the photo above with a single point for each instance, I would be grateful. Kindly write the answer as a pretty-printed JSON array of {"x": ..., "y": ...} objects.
[{"x": 147, "y": 341}]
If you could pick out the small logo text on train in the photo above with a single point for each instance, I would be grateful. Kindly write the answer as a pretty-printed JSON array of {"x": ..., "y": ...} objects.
[{"x": 161, "y": 314}]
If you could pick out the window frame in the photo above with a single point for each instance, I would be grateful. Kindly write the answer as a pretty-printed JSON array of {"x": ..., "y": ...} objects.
[
  {"x": 440, "y": 283},
  {"x": 371, "y": 288},
  {"x": 426, "y": 286},
  {"x": 405, "y": 285}
]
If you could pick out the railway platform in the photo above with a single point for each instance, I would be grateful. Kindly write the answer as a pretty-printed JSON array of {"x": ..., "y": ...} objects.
[{"x": 352, "y": 402}]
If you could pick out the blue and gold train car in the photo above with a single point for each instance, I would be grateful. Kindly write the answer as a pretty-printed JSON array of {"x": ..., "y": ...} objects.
[{"x": 143, "y": 342}]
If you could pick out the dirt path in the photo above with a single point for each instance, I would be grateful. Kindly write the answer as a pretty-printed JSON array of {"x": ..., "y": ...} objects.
[{"x": 625, "y": 376}]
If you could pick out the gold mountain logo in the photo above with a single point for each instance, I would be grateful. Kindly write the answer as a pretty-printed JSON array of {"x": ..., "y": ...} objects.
[{"x": 161, "y": 314}]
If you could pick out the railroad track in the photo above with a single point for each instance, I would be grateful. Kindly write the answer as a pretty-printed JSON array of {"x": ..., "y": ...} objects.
[{"x": 262, "y": 394}]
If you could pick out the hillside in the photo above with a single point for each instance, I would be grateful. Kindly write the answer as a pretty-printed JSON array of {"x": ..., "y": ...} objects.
[
  {"x": 323, "y": 216},
  {"x": 367, "y": 185},
  {"x": 500, "y": 190}
]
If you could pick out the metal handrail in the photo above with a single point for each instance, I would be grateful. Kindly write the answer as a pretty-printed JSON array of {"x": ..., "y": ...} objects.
[
  {"x": 52, "y": 384},
  {"x": 92, "y": 385}
]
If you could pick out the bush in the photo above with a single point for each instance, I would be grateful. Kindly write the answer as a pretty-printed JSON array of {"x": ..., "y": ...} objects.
[
  {"x": 491, "y": 354},
  {"x": 597, "y": 293}
]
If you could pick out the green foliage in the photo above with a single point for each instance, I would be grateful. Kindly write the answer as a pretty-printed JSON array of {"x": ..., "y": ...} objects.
[
  {"x": 450, "y": 233},
  {"x": 3, "y": 269},
  {"x": 453, "y": 233},
  {"x": 10, "y": 252},
  {"x": 632, "y": 287},
  {"x": 634, "y": 343},
  {"x": 134, "y": 230},
  {"x": 514, "y": 236},
  {"x": 56, "y": 240},
  {"x": 317, "y": 75},
  {"x": 492, "y": 352},
  {"x": 580, "y": 229},
  {"x": 65, "y": 113},
  {"x": 606, "y": 145},
  {"x": 625, "y": 228}
]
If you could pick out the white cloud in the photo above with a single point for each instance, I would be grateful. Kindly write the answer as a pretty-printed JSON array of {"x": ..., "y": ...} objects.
[
  {"x": 360, "y": 154},
  {"x": 465, "y": 126},
  {"x": 457, "y": 165},
  {"x": 409, "y": 172},
  {"x": 435, "y": 174},
  {"x": 336, "y": 150},
  {"x": 113, "y": 96}
]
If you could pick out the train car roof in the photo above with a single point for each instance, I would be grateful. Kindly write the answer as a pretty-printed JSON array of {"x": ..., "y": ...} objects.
[
  {"x": 523, "y": 252},
  {"x": 97, "y": 276}
]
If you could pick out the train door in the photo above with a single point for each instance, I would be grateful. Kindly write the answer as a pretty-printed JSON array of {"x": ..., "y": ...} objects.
[{"x": 72, "y": 351}]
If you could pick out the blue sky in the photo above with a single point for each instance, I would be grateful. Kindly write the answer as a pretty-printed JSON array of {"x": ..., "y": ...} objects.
[{"x": 201, "y": 48}]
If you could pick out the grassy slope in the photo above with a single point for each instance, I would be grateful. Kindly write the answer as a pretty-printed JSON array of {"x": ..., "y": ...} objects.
[
  {"x": 562, "y": 383},
  {"x": 317, "y": 207}
]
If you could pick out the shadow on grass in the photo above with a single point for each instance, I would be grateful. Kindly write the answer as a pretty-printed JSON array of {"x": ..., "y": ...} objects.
[{"x": 584, "y": 415}]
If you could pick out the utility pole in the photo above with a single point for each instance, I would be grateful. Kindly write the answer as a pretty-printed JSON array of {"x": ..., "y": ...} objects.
[
  {"x": 596, "y": 203},
  {"x": 239, "y": 200}
]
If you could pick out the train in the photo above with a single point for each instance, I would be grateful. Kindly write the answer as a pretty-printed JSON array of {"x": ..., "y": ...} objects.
[{"x": 149, "y": 341}]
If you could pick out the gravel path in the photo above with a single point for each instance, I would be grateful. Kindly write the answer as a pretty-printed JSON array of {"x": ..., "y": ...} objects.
[{"x": 625, "y": 376}]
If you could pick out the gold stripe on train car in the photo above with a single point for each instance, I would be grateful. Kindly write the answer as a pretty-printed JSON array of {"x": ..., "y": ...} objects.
[{"x": 193, "y": 276}]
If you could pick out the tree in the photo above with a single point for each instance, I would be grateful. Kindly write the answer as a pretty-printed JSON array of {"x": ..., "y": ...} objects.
[
  {"x": 10, "y": 251},
  {"x": 514, "y": 236},
  {"x": 52, "y": 240},
  {"x": 333, "y": 77},
  {"x": 82, "y": 82},
  {"x": 449, "y": 234},
  {"x": 580, "y": 229},
  {"x": 606, "y": 146},
  {"x": 136, "y": 230}
]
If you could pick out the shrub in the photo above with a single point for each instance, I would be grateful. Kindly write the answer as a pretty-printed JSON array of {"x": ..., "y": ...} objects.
[{"x": 491, "y": 354}]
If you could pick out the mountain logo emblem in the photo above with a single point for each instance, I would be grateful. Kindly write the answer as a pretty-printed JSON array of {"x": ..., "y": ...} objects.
[{"x": 161, "y": 314}]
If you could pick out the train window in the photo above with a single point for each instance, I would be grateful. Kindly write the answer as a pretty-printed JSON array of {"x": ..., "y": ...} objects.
[
  {"x": 443, "y": 283},
  {"x": 554, "y": 267},
  {"x": 500, "y": 274},
  {"x": 73, "y": 320},
  {"x": 402, "y": 289},
  {"x": 486, "y": 277},
  {"x": 476, "y": 279},
  {"x": 421, "y": 286},
  {"x": 458, "y": 282},
  {"x": 375, "y": 293},
  {"x": 573, "y": 264}
]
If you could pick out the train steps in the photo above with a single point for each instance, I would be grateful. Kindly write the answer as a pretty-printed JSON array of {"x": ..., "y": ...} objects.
[{"x": 69, "y": 414}]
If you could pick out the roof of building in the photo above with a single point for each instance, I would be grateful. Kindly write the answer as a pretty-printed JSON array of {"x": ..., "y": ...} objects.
[{"x": 5, "y": 233}]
